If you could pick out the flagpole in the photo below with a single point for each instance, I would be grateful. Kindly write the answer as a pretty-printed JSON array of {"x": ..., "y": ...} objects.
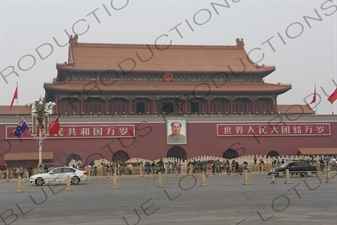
[
  {"x": 17, "y": 100},
  {"x": 315, "y": 103}
]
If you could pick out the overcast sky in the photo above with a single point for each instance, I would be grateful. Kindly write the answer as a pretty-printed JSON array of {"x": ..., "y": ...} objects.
[{"x": 276, "y": 33}]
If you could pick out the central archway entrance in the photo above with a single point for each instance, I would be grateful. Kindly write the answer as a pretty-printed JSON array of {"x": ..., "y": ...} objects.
[
  {"x": 177, "y": 152},
  {"x": 74, "y": 158},
  {"x": 120, "y": 156},
  {"x": 230, "y": 154},
  {"x": 273, "y": 153}
]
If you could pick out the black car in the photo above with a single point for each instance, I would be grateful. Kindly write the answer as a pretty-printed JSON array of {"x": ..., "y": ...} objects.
[{"x": 295, "y": 168}]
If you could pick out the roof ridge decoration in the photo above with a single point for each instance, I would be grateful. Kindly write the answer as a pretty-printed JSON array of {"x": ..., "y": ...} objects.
[
  {"x": 73, "y": 40},
  {"x": 239, "y": 43}
]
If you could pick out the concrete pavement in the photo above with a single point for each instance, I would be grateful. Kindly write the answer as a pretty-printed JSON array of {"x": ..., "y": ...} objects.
[{"x": 181, "y": 201}]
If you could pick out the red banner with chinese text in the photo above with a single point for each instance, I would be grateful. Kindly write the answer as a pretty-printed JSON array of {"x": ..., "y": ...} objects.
[
  {"x": 281, "y": 129},
  {"x": 82, "y": 131}
]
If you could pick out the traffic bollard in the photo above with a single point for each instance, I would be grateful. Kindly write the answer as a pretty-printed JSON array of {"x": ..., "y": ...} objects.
[
  {"x": 160, "y": 181},
  {"x": 114, "y": 179},
  {"x": 203, "y": 179},
  {"x": 68, "y": 188},
  {"x": 7, "y": 175},
  {"x": 19, "y": 190},
  {"x": 287, "y": 177},
  {"x": 191, "y": 170},
  {"x": 328, "y": 176},
  {"x": 114, "y": 182},
  {"x": 245, "y": 178}
]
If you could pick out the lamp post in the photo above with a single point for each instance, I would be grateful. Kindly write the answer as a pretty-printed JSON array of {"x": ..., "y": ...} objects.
[{"x": 40, "y": 120}]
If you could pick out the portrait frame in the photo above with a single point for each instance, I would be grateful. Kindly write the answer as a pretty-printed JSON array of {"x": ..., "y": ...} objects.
[{"x": 173, "y": 139}]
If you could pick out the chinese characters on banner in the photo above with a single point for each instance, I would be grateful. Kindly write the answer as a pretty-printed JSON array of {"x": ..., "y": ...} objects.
[
  {"x": 83, "y": 131},
  {"x": 281, "y": 129}
]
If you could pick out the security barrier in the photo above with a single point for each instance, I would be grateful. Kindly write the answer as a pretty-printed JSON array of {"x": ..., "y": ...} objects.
[
  {"x": 203, "y": 179},
  {"x": 7, "y": 175},
  {"x": 68, "y": 188},
  {"x": 245, "y": 178},
  {"x": 89, "y": 174},
  {"x": 114, "y": 182},
  {"x": 187, "y": 178},
  {"x": 160, "y": 181},
  {"x": 328, "y": 176},
  {"x": 19, "y": 190},
  {"x": 287, "y": 177}
]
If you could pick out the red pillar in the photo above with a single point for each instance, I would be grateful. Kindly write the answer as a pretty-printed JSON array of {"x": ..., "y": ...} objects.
[
  {"x": 106, "y": 105},
  {"x": 209, "y": 105},
  {"x": 153, "y": 105},
  {"x": 275, "y": 105},
  {"x": 81, "y": 106},
  {"x": 231, "y": 105},
  {"x": 186, "y": 105},
  {"x": 130, "y": 105},
  {"x": 253, "y": 106}
]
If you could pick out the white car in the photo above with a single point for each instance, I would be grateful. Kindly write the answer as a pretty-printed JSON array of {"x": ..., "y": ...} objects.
[{"x": 59, "y": 176}]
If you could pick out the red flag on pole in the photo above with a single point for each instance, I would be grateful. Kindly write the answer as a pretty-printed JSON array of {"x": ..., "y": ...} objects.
[
  {"x": 54, "y": 127},
  {"x": 333, "y": 96},
  {"x": 15, "y": 96},
  {"x": 313, "y": 97}
]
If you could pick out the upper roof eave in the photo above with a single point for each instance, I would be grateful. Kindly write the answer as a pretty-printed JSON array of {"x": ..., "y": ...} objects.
[
  {"x": 266, "y": 69},
  {"x": 172, "y": 87},
  {"x": 176, "y": 58}
]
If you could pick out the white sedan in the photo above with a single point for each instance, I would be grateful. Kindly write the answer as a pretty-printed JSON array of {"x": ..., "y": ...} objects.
[{"x": 59, "y": 176}]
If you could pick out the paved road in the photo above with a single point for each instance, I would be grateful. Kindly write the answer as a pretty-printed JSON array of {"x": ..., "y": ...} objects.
[{"x": 181, "y": 201}]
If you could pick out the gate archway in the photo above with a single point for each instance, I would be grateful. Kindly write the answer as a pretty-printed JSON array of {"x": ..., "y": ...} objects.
[
  {"x": 73, "y": 157},
  {"x": 177, "y": 152},
  {"x": 273, "y": 153},
  {"x": 230, "y": 154},
  {"x": 121, "y": 156}
]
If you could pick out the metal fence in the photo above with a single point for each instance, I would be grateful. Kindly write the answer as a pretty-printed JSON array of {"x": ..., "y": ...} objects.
[{"x": 184, "y": 180}]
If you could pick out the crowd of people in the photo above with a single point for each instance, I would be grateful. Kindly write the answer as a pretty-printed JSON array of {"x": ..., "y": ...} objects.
[
  {"x": 164, "y": 167},
  {"x": 16, "y": 172},
  {"x": 328, "y": 160}
]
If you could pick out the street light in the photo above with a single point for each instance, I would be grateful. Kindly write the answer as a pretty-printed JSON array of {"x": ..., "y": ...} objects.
[{"x": 40, "y": 120}]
